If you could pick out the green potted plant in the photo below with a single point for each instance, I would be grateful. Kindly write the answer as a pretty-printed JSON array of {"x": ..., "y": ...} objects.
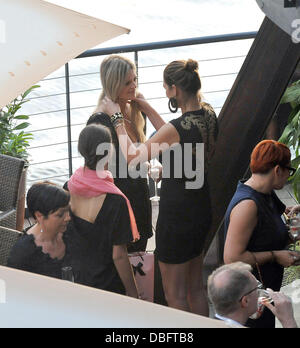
[
  {"x": 14, "y": 141},
  {"x": 291, "y": 134}
]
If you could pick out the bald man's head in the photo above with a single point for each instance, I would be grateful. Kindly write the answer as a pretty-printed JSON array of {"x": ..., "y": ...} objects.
[{"x": 227, "y": 284}]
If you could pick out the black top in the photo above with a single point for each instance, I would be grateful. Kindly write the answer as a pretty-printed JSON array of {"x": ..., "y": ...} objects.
[
  {"x": 136, "y": 190},
  {"x": 185, "y": 213},
  {"x": 90, "y": 245},
  {"x": 26, "y": 256},
  {"x": 269, "y": 234}
]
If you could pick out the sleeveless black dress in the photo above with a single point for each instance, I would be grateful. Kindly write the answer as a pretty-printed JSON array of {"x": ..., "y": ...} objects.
[
  {"x": 269, "y": 234},
  {"x": 136, "y": 190},
  {"x": 185, "y": 214}
]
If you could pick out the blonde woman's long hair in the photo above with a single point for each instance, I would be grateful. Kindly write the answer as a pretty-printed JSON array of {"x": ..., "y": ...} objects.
[{"x": 113, "y": 72}]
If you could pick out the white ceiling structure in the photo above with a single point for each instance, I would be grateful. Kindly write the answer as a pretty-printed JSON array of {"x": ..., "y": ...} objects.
[{"x": 37, "y": 38}]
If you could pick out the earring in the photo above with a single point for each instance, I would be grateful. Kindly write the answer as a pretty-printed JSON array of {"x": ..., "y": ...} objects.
[{"x": 173, "y": 105}]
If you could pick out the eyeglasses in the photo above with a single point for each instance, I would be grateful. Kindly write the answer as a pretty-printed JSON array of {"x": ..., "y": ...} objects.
[
  {"x": 290, "y": 169},
  {"x": 258, "y": 287}
]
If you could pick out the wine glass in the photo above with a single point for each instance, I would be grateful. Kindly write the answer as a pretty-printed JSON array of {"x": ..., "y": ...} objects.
[
  {"x": 154, "y": 173},
  {"x": 294, "y": 230},
  {"x": 67, "y": 274}
]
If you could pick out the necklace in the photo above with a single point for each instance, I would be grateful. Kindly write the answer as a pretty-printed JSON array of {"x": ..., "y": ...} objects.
[
  {"x": 126, "y": 113},
  {"x": 126, "y": 118}
]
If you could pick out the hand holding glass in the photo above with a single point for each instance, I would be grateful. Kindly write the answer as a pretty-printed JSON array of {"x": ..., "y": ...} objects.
[
  {"x": 294, "y": 230},
  {"x": 154, "y": 173},
  {"x": 67, "y": 274}
]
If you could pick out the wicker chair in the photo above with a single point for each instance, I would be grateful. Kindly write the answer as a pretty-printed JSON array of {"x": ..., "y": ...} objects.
[
  {"x": 10, "y": 174},
  {"x": 8, "y": 238}
]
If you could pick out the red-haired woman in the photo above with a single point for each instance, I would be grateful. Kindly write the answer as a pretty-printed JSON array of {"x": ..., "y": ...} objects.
[{"x": 255, "y": 232}]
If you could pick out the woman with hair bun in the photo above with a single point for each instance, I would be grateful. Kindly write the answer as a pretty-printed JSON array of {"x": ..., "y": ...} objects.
[
  {"x": 185, "y": 212},
  {"x": 102, "y": 221},
  {"x": 255, "y": 232}
]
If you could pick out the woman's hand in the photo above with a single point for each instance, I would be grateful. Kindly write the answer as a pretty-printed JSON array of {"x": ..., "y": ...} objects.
[
  {"x": 148, "y": 110},
  {"x": 110, "y": 107},
  {"x": 287, "y": 258},
  {"x": 124, "y": 268},
  {"x": 291, "y": 211},
  {"x": 144, "y": 106}
]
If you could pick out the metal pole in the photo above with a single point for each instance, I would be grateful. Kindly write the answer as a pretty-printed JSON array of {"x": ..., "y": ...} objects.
[
  {"x": 136, "y": 61},
  {"x": 68, "y": 106},
  {"x": 168, "y": 44}
]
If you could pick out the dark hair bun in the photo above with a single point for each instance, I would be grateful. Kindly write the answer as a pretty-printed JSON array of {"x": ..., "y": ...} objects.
[{"x": 191, "y": 65}]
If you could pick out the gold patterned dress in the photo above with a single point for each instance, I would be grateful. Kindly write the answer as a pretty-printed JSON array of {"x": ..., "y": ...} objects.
[{"x": 185, "y": 208}]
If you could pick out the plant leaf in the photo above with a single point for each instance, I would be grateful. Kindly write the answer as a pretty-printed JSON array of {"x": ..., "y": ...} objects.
[
  {"x": 22, "y": 126},
  {"x": 296, "y": 162},
  {"x": 22, "y": 117},
  {"x": 286, "y": 134},
  {"x": 29, "y": 91},
  {"x": 292, "y": 94}
]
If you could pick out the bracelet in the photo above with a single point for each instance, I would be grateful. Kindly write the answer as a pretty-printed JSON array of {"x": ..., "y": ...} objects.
[
  {"x": 118, "y": 123},
  {"x": 116, "y": 117},
  {"x": 257, "y": 267}
]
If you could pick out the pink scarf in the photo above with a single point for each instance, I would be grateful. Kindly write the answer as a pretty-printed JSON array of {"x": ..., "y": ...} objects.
[{"x": 89, "y": 183}]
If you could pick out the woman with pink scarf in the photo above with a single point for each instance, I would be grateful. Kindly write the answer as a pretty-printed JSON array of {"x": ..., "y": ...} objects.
[{"x": 102, "y": 222}]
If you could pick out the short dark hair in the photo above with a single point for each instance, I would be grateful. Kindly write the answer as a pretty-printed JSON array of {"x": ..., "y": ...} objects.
[
  {"x": 95, "y": 119},
  {"x": 46, "y": 198},
  {"x": 89, "y": 139}
]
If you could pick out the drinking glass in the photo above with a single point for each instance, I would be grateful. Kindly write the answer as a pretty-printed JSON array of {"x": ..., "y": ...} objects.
[
  {"x": 67, "y": 274},
  {"x": 294, "y": 230},
  {"x": 154, "y": 172}
]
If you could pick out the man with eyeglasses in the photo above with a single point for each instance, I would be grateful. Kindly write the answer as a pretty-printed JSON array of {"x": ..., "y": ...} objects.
[{"x": 236, "y": 295}]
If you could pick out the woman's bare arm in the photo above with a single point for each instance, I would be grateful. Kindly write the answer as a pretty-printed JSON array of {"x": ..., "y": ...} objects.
[
  {"x": 243, "y": 220},
  {"x": 123, "y": 266},
  {"x": 161, "y": 141},
  {"x": 151, "y": 113}
]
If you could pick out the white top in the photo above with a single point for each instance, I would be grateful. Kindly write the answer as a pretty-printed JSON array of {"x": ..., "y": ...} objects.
[{"x": 229, "y": 321}]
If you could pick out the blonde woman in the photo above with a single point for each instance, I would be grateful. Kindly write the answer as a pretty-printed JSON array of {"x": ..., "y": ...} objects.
[{"x": 119, "y": 83}]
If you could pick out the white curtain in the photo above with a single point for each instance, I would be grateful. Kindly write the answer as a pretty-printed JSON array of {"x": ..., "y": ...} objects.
[{"x": 37, "y": 38}]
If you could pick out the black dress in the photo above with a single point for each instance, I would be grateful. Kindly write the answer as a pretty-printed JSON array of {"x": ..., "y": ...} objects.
[
  {"x": 28, "y": 257},
  {"x": 90, "y": 245},
  {"x": 136, "y": 190},
  {"x": 269, "y": 234},
  {"x": 185, "y": 214}
]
